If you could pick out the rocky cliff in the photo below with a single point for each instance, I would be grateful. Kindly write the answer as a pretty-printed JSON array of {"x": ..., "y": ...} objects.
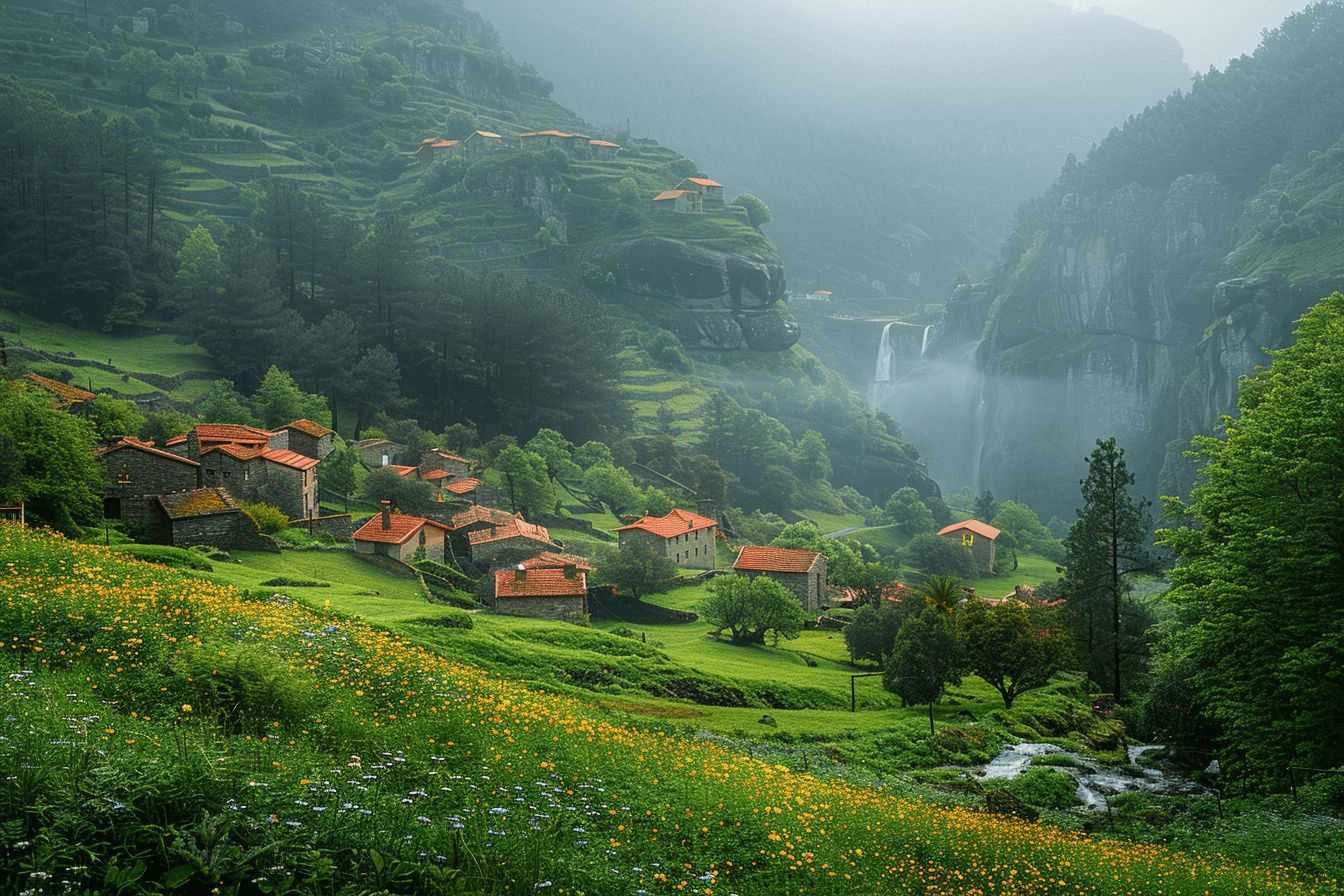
[{"x": 1136, "y": 293}]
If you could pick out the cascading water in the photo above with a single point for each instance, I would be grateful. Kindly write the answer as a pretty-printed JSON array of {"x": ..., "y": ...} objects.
[
  {"x": 924, "y": 342},
  {"x": 885, "y": 356},
  {"x": 978, "y": 436}
]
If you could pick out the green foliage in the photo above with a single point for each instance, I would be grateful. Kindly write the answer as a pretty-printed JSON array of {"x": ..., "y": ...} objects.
[
  {"x": 986, "y": 507},
  {"x": 814, "y": 460},
  {"x": 279, "y": 400},
  {"x": 758, "y": 213},
  {"x": 241, "y": 687},
  {"x": 1021, "y": 529},
  {"x": 269, "y": 519},
  {"x": 940, "y": 556},
  {"x": 926, "y": 657},
  {"x": 112, "y": 419},
  {"x": 1259, "y": 565},
  {"x": 337, "y": 472},
  {"x": 1013, "y": 647},
  {"x": 140, "y": 70},
  {"x": 47, "y": 460},
  {"x": 225, "y": 404},
  {"x": 406, "y": 493},
  {"x": 907, "y": 514},
  {"x": 1042, "y": 788},
  {"x": 871, "y": 634},
  {"x": 526, "y": 483},
  {"x": 636, "y": 570},
  {"x": 750, "y": 608},
  {"x": 613, "y": 487}
]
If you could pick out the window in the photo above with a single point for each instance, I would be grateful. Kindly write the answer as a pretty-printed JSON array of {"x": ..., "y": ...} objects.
[
  {"x": 123, "y": 477},
  {"x": 967, "y": 539}
]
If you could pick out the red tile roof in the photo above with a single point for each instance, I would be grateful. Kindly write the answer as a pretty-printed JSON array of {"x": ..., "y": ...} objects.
[
  {"x": 985, "y": 530},
  {"x": 516, "y": 528},
  {"x": 147, "y": 448},
  {"x": 197, "y": 502},
  {"x": 291, "y": 459},
  {"x": 704, "y": 182},
  {"x": 482, "y": 514},
  {"x": 64, "y": 392},
  {"x": 237, "y": 452},
  {"x": 309, "y": 428},
  {"x": 605, "y": 144},
  {"x": 556, "y": 560},
  {"x": 546, "y": 134},
  {"x": 487, "y": 134},
  {"x": 401, "y": 470},
  {"x": 539, "y": 583},
  {"x": 677, "y": 522},
  {"x": 673, "y": 194},
  {"x": 231, "y": 432},
  {"x": 463, "y": 486},
  {"x": 436, "y": 475},
  {"x": 448, "y": 455},
  {"x": 402, "y": 528},
  {"x": 760, "y": 559}
]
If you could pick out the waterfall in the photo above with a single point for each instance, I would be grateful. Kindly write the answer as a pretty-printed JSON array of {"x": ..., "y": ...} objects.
[
  {"x": 885, "y": 356},
  {"x": 924, "y": 342},
  {"x": 978, "y": 437}
]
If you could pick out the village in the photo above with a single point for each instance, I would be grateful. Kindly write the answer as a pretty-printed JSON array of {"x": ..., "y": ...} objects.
[{"x": 194, "y": 490}]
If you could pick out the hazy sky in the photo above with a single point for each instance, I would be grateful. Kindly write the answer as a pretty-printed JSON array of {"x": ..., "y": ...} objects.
[{"x": 1211, "y": 31}]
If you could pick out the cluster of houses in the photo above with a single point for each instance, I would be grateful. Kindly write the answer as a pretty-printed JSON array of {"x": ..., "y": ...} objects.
[
  {"x": 693, "y": 196},
  {"x": 481, "y": 143}
]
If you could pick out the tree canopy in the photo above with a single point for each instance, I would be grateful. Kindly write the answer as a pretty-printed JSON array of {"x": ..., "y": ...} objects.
[{"x": 750, "y": 608}]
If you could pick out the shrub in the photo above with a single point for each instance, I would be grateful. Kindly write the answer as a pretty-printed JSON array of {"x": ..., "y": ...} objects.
[
  {"x": 284, "y": 582},
  {"x": 449, "y": 618},
  {"x": 940, "y": 557},
  {"x": 167, "y": 556},
  {"x": 1044, "y": 788},
  {"x": 269, "y": 519}
]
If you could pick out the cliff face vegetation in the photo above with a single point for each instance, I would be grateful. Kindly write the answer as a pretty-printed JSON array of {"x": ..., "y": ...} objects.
[{"x": 1134, "y": 293}]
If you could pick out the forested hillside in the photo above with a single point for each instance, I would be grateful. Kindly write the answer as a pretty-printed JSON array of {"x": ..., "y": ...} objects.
[
  {"x": 1134, "y": 293},
  {"x": 244, "y": 176}
]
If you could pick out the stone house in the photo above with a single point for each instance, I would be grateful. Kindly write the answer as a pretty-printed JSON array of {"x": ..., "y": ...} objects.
[
  {"x": 66, "y": 397},
  {"x": 432, "y": 149},
  {"x": 285, "y": 479},
  {"x": 802, "y": 572},
  {"x": 209, "y": 516},
  {"x": 711, "y": 191},
  {"x": 685, "y": 538},
  {"x": 680, "y": 202},
  {"x": 397, "y": 536},
  {"x": 135, "y": 473},
  {"x": 439, "y": 459},
  {"x": 552, "y": 139},
  {"x": 481, "y": 143},
  {"x": 978, "y": 538},
  {"x": 511, "y": 543},
  {"x": 305, "y": 437},
  {"x": 557, "y": 560},
  {"x": 480, "y": 517},
  {"x": 558, "y": 594},
  {"x": 604, "y": 148},
  {"x": 374, "y": 453}
]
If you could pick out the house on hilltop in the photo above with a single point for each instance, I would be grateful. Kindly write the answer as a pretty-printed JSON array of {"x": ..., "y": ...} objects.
[
  {"x": 678, "y": 202},
  {"x": 432, "y": 149},
  {"x": 802, "y": 572},
  {"x": 685, "y": 538},
  {"x": 305, "y": 437},
  {"x": 978, "y": 538},
  {"x": 481, "y": 143},
  {"x": 711, "y": 191},
  {"x": 135, "y": 473},
  {"x": 398, "y": 536},
  {"x": 604, "y": 148},
  {"x": 544, "y": 593}
]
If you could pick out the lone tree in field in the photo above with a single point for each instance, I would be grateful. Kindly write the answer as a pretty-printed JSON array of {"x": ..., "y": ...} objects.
[
  {"x": 636, "y": 570},
  {"x": 1106, "y": 544},
  {"x": 749, "y": 609},
  {"x": 926, "y": 658},
  {"x": 1012, "y": 646}
]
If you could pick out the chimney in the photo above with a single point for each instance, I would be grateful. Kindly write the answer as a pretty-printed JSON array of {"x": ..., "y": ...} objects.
[
  {"x": 571, "y": 571},
  {"x": 520, "y": 574},
  {"x": 387, "y": 513}
]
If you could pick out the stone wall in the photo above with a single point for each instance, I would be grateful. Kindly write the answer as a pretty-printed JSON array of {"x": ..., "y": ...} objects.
[
  {"x": 692, "y": 549},
  {"x": 507, "y": 550},
  {"x": 808, "y": 587},
  {"x": 231, "y": 531},
  {"x": 559, "y": 609},
  {"x": 134, "y": 480},
  {"x": 338, "y": 525}
]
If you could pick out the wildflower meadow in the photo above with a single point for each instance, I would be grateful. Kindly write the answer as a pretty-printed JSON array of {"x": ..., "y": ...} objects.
[{"x": 163, "y": 734}]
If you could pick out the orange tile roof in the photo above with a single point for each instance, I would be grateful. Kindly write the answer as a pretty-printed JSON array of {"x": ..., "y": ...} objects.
[
  {"x": 985, "y": 530},
  {"x": 539, "y": 583},
  {"x": 436, "y": 475},
  {"x": 443, "y": 144},
  {"x": 197, "y": 502},
  {"x": 673, "y": 194},
  {"x": 822, "y": 292},
  {"x": 448, "y": 455},
  {"x": 547, "y": 134},
  {"x": 488, "y": 134},
  {"x": 67, "y": 393},
  {"x": 482, "y": 514},
  {"x": 291, "y": 459},
  {"x": 677, "y": 522},
  {"x": 557, "y": 560},
  {"x": 400, "y": 469},
  {"x": 147, "y": 448},
  {"x": 516, "y": 528},
  {"x": 605, "y": 144},
  {"x": 237, "y": 452},
  {"x": 761, "y": 559},
  {"x": 401, "y": 529},
  {"x": 309, "y": 428},
  {"x": 704, "y": 182},
  {"x": 463, "y": 486},
  {"x": 230, "y": 432}
]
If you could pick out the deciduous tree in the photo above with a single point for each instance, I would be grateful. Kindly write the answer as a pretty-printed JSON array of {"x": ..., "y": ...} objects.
[
  {"x": 749, "y": 609},
  {"x": 636, "y": 570},
  {"x": 1012, "y": 646},
  {"x": 926, "y": 657}
]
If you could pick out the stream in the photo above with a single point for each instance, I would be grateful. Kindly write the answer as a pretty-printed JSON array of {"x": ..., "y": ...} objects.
[{"x": 1095, "y": 782}]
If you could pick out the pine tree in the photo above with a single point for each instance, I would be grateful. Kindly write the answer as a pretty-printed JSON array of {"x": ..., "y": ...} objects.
[{"x": 1106, "y": 543}]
